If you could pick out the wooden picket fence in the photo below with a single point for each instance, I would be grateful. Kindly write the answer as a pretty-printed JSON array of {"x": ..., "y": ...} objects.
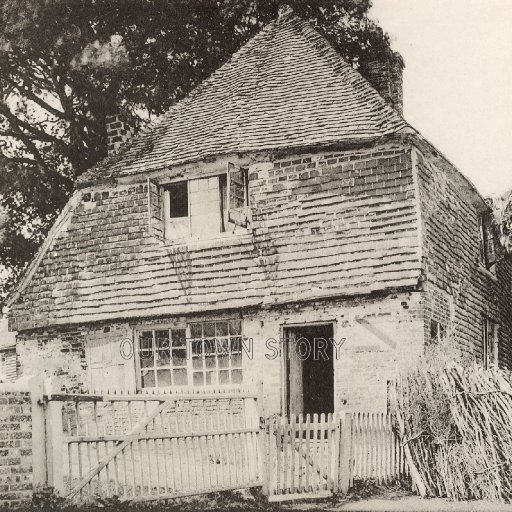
[
  {"x": 142, "y": 447},
  {"x": 320, "y": 455},
  {"x": 376, "y": 452},
  {"x": 153, "y": 446}
]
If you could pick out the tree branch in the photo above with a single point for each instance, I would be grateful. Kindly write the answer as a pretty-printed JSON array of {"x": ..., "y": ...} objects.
[{"x": 24, "y": 90}]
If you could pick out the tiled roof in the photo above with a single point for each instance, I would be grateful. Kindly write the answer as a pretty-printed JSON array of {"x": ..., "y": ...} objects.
[{"x": 287, "y": 87}]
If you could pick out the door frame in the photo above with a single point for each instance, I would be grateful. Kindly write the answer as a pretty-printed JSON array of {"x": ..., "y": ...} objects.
[{"x": 285, "y": 361}]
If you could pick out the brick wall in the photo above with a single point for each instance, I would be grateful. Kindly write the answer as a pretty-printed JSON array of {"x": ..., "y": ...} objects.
[
  {"x": 56, "y": 352},
  {"x": 15, "y": 447},
  {"x": 459, "y": 290}
]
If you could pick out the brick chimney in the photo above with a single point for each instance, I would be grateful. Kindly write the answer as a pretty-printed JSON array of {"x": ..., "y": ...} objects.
[
  {"x": 120, "y": 128},
  {"x": 386, "y": 75}
]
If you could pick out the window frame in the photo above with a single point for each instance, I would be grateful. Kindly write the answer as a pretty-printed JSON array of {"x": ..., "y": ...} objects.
[
  {"x": 3, "y": 366},
  {"x": 139, "y": 368},
  {"x": 225, "y": 212},
  {"x": 440, "y": 331},
  {"x": 485, "y": 238}
]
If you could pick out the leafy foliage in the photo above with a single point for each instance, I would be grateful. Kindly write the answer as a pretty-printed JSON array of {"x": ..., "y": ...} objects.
[{"x": 65, "y": 65}]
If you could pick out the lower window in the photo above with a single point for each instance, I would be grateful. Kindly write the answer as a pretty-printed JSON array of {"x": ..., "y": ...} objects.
[
  {"x": 490, "y": 342},
  {"x": 199, "y": 354}
]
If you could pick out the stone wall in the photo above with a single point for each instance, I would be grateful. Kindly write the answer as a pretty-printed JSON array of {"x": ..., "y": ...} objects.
[{"x": 15, "y": 447}]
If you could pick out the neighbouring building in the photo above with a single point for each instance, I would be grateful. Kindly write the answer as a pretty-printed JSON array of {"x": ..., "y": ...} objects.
[
  {"x": 7, "y": 353},
  {"x": 285, "y": 199}
]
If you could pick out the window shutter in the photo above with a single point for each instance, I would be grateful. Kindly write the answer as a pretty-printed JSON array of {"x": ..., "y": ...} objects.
[
  {"x": 238, "y": 197},
  {"x": 155, "y": 210}
]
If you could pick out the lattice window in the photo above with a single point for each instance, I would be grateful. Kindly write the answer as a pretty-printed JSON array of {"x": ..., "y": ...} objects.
[
  {"x": 200, "y": 354},
  {"x": 216, "y": 352}
]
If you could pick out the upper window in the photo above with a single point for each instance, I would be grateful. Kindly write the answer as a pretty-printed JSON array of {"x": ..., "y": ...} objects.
[
  {"x": 487, "y": 249},
  {"x": 200, "y": 354},
  {"x": 205, "y": 207}
]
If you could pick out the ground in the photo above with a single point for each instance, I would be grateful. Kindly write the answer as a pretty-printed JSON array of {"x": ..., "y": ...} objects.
[{"x": 380, "y": 500}]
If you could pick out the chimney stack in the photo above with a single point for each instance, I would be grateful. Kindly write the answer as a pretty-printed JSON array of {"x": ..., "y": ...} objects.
[
  {"x": 120, "y": 128},
  {"x": 386, "y": 76}
]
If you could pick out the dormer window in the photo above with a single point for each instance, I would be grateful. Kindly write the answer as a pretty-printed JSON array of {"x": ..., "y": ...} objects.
[{"x": 202, "y": 208}]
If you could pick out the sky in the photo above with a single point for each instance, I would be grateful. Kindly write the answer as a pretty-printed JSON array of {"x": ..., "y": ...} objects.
[{"x": 458, "y": 80}]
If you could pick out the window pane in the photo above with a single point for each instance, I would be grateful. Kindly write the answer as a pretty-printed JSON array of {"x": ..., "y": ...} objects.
[
  {"x": 433, "y": 330},
  {"x": 223, "y": 361},
  {"x": 237, "y": 188},
  {"x": 236, "y": 361},
  {"x": 146, "y": 349},
  {"x": 209, "y": 378},
  {"x": 221, "y": 328},
  {"x": 197, "y": 347},
  {"x": 209, "y": 346},
  {"x": 148, "y": 379},
  {"x": 223, "y": 193},
  {"x": 236, "y": 376},
  {"x": 178, "y": 337},
  {"x": 178, "y": 199},
  {"x": 164, "y": 378},
  {"x": 210, "y": 361},
  {"x": 236, "y": 344},
  {"x": 179, "y": 357},
  {"x": 163, "y": 351},
  {"x": 196, "y": 330},
  {"x": 224, "y": 377},
  {"x": 180, "y": 377},
  {"x": 197, "y": 363},
  {"x": 235, "y": 327},
  {"x": 223, "y": 347},
  {"x": 209, "y": 329},
  {"x": 205, "y": 203},
  {"x": 198, "y": 379}
]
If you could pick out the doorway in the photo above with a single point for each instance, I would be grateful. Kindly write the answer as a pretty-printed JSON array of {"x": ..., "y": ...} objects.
[{"x": 309, "y": 369}]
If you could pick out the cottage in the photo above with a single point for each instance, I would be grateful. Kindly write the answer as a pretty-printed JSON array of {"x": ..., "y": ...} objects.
[{"x": 284, "y": 200}]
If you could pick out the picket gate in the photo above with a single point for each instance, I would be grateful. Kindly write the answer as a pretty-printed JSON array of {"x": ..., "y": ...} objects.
[
  {"x": 320, "y": 455},
  {"x": 153, "y": 446}
]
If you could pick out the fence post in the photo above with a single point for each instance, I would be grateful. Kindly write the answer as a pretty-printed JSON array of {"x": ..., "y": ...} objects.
[
  {"x": 39, "y": 475},
  {"x": 54, "y": 433},
  {"x": 252, "y": 420},
  {"x": 346, "y": 453}
]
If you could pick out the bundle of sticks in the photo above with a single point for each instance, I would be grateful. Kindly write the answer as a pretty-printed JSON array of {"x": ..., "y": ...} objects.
[{"x": 456, "y": 427}]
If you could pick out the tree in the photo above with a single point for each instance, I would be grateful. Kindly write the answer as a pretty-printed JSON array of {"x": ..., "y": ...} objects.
[{"x": 65, "y": 65}]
